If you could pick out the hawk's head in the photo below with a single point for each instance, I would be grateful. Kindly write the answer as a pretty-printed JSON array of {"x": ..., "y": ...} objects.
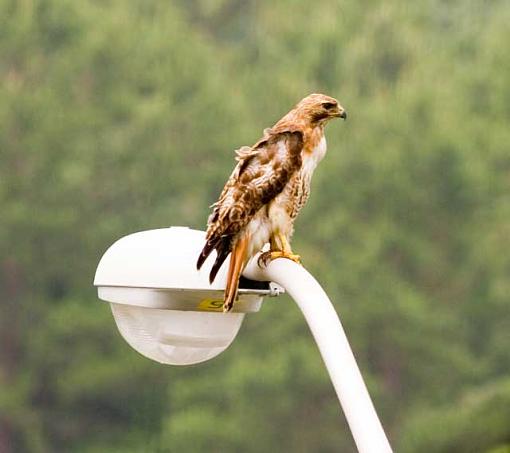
[{"x": 320, "y": 108}]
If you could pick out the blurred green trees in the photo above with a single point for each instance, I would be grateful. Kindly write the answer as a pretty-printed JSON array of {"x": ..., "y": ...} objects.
[{"x": 122, "y": 116}]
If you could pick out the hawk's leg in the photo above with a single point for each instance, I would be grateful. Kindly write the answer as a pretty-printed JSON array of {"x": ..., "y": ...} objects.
[{"x": 280, "y": 248}]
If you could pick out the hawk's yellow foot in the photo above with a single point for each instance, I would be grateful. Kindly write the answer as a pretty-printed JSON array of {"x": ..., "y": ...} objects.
[{"x": 266, "y": 257}]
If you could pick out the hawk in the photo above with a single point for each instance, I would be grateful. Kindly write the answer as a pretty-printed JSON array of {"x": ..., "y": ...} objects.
[{"x": 267, "y": 189}]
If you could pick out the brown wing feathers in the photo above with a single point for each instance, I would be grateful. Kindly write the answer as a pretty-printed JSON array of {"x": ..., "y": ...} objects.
[{"x": 261, "y": 174}]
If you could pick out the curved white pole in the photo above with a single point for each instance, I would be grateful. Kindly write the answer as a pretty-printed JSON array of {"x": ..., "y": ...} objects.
[{"x": 334, "y": 347}]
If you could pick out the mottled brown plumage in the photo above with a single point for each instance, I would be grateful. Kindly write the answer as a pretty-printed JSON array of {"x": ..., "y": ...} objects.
[{"x": 267, "y": 189}]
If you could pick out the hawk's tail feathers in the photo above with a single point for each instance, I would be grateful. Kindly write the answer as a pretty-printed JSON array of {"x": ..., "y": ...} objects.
[{"x": 237, "y": 264}]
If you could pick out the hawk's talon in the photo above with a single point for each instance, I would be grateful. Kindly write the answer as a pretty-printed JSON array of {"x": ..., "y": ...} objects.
[
  {"x": 266, "y": 257},
  {"x": 263, "y": 259},
  {"x": 293, "y": 257}
]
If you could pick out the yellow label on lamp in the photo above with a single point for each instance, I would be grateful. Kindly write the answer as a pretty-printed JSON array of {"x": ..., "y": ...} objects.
[{"x": 211, "y": 305}]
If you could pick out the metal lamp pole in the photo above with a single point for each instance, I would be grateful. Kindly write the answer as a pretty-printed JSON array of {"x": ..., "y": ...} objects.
[{"x": 334, "y": 347}]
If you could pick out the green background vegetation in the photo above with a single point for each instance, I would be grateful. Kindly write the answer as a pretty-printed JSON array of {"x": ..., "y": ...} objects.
[{"x": 121, "y": 116}]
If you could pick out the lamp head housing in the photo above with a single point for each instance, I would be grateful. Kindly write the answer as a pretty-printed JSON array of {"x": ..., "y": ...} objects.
[{"x": 163, "y": 307}]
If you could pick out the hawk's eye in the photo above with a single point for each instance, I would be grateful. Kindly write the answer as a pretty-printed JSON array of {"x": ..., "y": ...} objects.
[{"x": 328, "y": 105}]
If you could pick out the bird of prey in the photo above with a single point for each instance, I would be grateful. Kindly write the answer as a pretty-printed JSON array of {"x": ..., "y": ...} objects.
[{"x": 267, "y": 189}]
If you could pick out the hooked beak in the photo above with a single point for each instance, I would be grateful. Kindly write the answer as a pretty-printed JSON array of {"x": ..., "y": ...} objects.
[{"x": 341, "y": 113}]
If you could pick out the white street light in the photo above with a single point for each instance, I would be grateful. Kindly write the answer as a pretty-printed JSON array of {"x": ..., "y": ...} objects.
[
  {"x": 167, "y": 310},
  {"x": 163, "y": 307}
]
